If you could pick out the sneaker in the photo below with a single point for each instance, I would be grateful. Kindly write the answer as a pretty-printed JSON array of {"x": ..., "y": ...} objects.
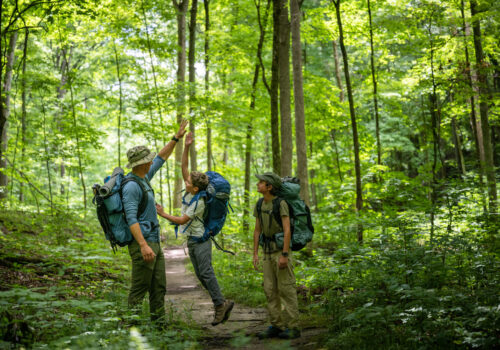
[
  {"x": 222, "y": 312},
  {"x": 270, "y": 332},
  {"x": 289, "y": 333}
]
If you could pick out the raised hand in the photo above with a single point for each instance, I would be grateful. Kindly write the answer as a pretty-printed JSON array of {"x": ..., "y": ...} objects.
[
  {"x": 182, "y": 129},
  {"x": 189, "y": 139}
]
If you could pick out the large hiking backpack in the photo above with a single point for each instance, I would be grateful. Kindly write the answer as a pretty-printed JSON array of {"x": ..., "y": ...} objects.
[
  {"x": 109, "y": 207},
  {"x": 216, "y": 198},
  {"x": 301, "y": 226}
]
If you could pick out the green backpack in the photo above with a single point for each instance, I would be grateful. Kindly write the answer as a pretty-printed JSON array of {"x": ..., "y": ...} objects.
[{"x": 301, "y": 225}]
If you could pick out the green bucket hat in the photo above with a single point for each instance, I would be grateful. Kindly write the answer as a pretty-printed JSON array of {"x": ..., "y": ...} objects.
[
  {"x": 139, "y": 155},
  {"x": 270, "y": 178}
]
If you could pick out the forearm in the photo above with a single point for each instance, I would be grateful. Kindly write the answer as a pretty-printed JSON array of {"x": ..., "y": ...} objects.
[
  {"x": 167, "y": 150},
  {"x": 137, "y": 233},
  {"x": 256, "y": 235},
  {"x": 179, "y": 220},
  {"x": 287, "y": 234},
  {"x": 185, "y": 163}
]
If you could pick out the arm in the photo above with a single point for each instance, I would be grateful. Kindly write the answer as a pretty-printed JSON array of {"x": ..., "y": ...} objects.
[
  {"x": 283, "y": 262},
  {"x": 147, "y": 253},
  {"x": 167, "y": 150},
  {"x": 179, "y": 220},
  {"x": 131, "y": 197},
  {"x": 256, "y": 234},
  {"x": 185, "y": 156}
]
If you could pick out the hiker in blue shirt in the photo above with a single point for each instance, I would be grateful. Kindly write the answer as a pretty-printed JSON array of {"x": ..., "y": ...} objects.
[
  {"x": 192, "y": 225},
  {"x": 148, "y": 263}
]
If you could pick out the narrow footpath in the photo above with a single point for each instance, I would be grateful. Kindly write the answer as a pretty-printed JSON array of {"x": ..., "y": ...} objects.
[{"x": 186, "y": 295}]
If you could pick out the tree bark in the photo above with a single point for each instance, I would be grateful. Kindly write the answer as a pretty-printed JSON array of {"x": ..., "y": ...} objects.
[
  {"x": 192, "y": 79},
  {"x": 181, "y": 8},
  {"x": 374, "y": 80},
  {"x": 4, "y": 117},
  {"x": 357, "y": 163},
  {"x": 484, "y": 95},
  {"x": 338, "y": 77},
  {"x": 120, "y": 111},
  {"x": 298, "y": 93},
  {"x": 273, "y": 91},
  {"x": 23, "y": 110},
  {"x": 206, "y": 4},
  {"x": 284, "y": 91},
  {"x": 158, "y": 104}
]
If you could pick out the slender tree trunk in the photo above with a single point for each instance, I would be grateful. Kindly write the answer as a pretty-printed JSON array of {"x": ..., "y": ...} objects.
[
  {"x": 338, "y": 77},
  {"x": 192, "y": 79},
  {"x": 207, "y": 82},
  {"x": 357, "y": 163},
  {"x": 47, "y": 155},
  {"x": 61, "y": 92},
  {"x": 4, "y": 117},
  {"x": 312, "y": 172},
  {"x": 284, "y": 88},
  {"x": 337, "y": 157},
  {"x": 181, "y": 8},
  {"x": 273, "y": 91},
  {"x": 458, "y": 147},
  {"x": 248, "y": 148},
  {"x": 120, "y": 111},
  {"x": 298, "y": 93},
  {"x": 472, "y": 102},
  {"x": 158, "y": 104},
  {"x": 23, "y": 110},
  {"x": 78, "y": 150},
  {"x": 374, "y": 80},
  {"x": 484, "y": 95}
]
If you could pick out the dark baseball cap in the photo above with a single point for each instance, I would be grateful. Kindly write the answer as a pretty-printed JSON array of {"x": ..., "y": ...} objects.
[{"x": 270, "y": 178}]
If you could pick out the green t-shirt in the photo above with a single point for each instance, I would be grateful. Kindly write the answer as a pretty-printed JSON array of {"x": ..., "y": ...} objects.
[{"x": 267, "y": 210}]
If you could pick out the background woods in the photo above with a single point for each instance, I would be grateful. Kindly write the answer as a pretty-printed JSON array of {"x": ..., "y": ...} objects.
[{"x": 387, "y": 111}]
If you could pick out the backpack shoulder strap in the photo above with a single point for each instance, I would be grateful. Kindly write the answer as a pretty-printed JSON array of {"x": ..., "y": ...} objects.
[
  {"x": 144, "y": 198},
  {"x": 276, "y": 210}
]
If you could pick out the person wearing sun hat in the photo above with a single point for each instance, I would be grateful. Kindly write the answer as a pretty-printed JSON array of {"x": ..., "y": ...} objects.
[
  {"x": 148, "y": 262},
  {"x": 279, "y": 279}
]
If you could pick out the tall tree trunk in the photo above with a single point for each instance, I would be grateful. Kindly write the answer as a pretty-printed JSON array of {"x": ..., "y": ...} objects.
[
  {"x": 338, "y": 77},
  {"x": 77, "y": 139},
  {"x": 61, "y": 92},
  {"x": 357, "y": 163},
  {"x": 158, "y": 104},
  {"x": 312, "y": 172},
  {"x": 337, "y": 157},
  {"x": 284, "y": 88},
  {"x": 23, "y": 110},
  {"x": 248, "y": 148},
  {"x": 4, "y": 117},
  {"x": 484, "y": 95},
  {"x": 207, "y": 83},
  {"x": 47, "y": 154},
  {"x": 472, "y": 102},
  {"x": 374, "y": 80},
  {"x": 181, "y": 8},
  {"x": 120, "y": 111},
  {"x": 298, "y": 93},
  {"x": 458, "y": 147},
  {"x": 273, "y": 91},
  {"x": 192, "y": 78}
]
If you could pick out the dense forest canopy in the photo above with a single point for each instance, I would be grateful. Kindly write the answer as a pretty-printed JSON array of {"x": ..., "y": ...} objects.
[{"x": 387, "y": 111}]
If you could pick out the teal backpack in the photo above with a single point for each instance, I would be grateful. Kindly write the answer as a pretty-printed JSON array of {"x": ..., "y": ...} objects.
[{"x": 301, "y": 225}]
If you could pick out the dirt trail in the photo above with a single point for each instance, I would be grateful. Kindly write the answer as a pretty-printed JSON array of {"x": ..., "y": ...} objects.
[{"x": 186, "y": 295}]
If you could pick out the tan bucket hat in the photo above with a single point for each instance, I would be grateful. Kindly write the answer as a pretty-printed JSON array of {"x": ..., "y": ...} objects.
[{"x": 139, "y": 155}]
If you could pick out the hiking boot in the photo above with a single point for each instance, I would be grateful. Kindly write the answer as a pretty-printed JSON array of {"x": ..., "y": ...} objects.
[
  {"x": 270, "y": 332},
  {"x": 289, "y": 333},
  {"x": 222, "y": 312}
]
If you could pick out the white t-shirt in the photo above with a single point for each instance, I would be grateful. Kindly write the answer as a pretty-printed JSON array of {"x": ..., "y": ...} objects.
[{"x": 195, "y": 213}]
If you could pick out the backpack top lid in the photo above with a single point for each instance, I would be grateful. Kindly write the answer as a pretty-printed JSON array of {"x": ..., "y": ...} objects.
[
  {"x": 218, "y": 186},
  {"x": 289, "y": 191}
]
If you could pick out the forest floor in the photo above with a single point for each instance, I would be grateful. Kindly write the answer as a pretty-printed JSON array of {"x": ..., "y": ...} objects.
[{"x": 185, "y": 293}]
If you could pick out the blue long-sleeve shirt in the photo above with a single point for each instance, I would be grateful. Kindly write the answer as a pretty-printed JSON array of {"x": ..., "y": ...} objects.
[{"x": 132, "y": 195}]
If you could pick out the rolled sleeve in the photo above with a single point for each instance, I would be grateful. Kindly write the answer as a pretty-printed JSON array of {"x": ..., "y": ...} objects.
[{"x": 131, "y": 197}]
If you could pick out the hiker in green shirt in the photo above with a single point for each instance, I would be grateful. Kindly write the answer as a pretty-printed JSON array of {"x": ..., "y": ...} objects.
[{"x": 279, "y": 279}]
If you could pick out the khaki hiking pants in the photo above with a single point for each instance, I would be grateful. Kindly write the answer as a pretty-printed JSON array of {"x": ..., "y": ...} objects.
[
  {"x": 148, "y": 277},
  {"x": 281, "y": 292}
]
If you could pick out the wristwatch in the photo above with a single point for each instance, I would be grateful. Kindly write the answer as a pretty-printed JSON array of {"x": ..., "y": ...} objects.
[
  {"x": 285, "y": 254},
  {"x": 175, "y": 139}
]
